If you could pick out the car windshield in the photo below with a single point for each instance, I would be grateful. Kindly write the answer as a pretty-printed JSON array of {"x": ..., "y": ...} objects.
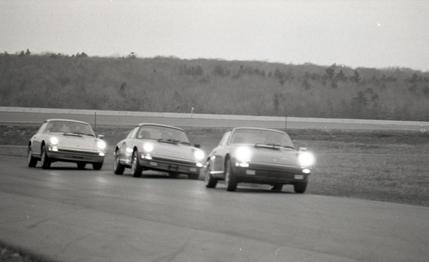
[
  {"x": 69, "y": 127},
  {"x": 163, "y": 133},
  {"x": 261, "y": 137}
]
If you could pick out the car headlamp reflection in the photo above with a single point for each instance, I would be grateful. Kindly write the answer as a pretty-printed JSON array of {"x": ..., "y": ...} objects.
[
  {"x": 199, "y": 155},
  {"x": 306, "y": 159},
  {"x": 148, "y": 147},
  {"x": 53, "y": 140},
  {"x": 101, "y": 144},
  {"x": 243, "y": 154}
]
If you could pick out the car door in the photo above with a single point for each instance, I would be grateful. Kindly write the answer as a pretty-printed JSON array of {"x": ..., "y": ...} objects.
[
  {"x": 36, "y": 139},
  {"x": 127, "y": 142},
  {"x": 217, "y": 156}
]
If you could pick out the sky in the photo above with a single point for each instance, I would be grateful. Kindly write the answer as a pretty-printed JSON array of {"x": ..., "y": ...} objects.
[{"x": 356, "y": 33}]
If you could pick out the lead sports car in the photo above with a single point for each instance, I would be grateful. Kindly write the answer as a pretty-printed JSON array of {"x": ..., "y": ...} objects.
[
  {"x": 68, "y": 141},
  {"x": 257, "y": 155},
  {"x": 158, "y": 147}
]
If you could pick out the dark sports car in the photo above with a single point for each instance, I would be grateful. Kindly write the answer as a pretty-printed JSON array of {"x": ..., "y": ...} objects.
[
  {"x": 158, "y": 147},
  {"x": 257, "y": 155}
]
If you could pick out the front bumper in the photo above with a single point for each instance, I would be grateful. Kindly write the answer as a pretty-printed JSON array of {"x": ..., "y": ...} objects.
[
  {"x": 270, "y": 174},
  {"x": 170, "y": 165},
  {"x": 75, "y": 155}
]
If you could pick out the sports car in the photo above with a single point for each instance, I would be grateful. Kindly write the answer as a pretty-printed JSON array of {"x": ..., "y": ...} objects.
[
  {"x": 158, "y": 147},
  {"x": 68, "y": 141},
  {"x": 258, "y": 155}
]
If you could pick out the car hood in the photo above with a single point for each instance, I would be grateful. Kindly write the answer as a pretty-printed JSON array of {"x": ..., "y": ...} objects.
[
  {"x": 71, "y": 142},
  {"x": 173, "y": 151},
  {"x": 268, "y": 156}
]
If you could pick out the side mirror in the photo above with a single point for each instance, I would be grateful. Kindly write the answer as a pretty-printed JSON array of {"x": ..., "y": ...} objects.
[
  {"x": 100, "y": 136},
  {"x": 197, "y": 145}
]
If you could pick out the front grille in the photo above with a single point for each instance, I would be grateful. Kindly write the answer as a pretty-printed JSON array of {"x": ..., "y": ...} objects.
[
  {"x": 80, "y": 153},
  {"x": 173, "y": 161}
]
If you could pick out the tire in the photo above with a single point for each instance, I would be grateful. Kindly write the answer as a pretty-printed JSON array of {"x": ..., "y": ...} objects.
[
  {"x": 209, "y": 180},
  {"x": 81, "y": 165},
  {"x": 118, "y": 168},
  {"x": 194, "y": 176},
  {"x": 277, "y": 188},
  {"x": 44, "y": 159},
  {"x": 300, "y": 187},
  {"x": 31, "y": 160},
  {"x": 136, "y": 168},
  {"x": 230, "y": 179},
  {"x": 97, "y": 166}
]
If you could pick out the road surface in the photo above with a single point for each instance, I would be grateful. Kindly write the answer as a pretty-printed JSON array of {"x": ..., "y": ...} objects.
[
  {"x": 24, "y": 115},
  {"x": 67, "y": 214}
]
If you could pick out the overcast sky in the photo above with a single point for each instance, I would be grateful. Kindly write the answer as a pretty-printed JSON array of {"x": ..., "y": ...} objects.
[{"x": 356, "y": 33}]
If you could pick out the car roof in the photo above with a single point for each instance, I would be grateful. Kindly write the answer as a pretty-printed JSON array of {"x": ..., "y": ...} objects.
[
  {"x": 258, "y": 128},
  {"x": 161, "y": 125},
  {"x": 67, "y": 120}
]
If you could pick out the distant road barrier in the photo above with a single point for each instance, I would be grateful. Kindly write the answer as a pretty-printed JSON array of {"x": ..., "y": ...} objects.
[{"x": 27, "y": 115}]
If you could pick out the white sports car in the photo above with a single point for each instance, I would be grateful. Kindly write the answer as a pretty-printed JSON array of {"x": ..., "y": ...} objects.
[
  {"x": 66, "y": 140},
  {"x": 158, "y": 147}
]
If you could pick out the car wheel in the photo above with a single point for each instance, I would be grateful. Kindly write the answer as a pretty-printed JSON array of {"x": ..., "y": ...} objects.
[
  {"x": 81, "y": 165},
  {"x": 210, "y": 181},
  {"x": 118, "y": 168},
  {"x": 277, "y": 187},
  {"x": 97, "y": 166},
  {"x": 136, "y": 168},
  {"x": 31, "y": 160},
  {"x": 300, "y": 187},
  {"x": 46, "y": 162},
  {"x": 230, "y": 179}
]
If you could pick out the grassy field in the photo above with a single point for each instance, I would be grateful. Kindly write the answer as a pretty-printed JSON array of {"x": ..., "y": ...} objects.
[{"x": 386, "y": 166}]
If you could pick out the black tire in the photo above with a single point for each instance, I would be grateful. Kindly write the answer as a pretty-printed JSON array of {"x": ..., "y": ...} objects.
[
  {"x": 277, "y": 187},
  {"x": 31, "y": 160},
  {"x": 118, "y": 168},
  {"x": 209, "y": 180},
  {"x": 81, "y": 165},
  {"x": 136, "y": 168},
  {"x": 194, "y": 176},
  {"x": 300, "y": 187},
  {"x": 230, "y": 178},
  {"x": 44, "y": 159},
  {"x": 97, "y": 166}
]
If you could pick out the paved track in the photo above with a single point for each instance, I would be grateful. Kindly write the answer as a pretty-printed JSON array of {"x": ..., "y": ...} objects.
[
  {"x": 21, "y": 115},
  {"x": 71, "y": 215}
]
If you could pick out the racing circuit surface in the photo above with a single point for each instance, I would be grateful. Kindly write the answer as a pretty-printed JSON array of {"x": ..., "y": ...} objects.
[{"x": 67, "y": 214}]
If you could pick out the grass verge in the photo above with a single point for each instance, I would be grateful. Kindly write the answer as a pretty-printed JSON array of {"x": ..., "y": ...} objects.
[{"x": 378, "y": 165}]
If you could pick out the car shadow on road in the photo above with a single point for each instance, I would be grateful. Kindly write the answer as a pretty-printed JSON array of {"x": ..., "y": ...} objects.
[{"x": 253, "y": 189}]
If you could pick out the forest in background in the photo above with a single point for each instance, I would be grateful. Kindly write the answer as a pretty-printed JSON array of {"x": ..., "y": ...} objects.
[{"x": 169, "y": 84}]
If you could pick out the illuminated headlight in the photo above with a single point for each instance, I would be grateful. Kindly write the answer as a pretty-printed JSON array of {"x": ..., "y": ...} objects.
[
  {"x": 128, "y": 151},
  {"x": 243, "y": 154},
  {"x": 101, "y": 144},
  {"x": 199, "y": 155},
  {"x": 53, "y": 140},
  {"x": 148, "y": 147},
  {"x": 306, "y": 159}
]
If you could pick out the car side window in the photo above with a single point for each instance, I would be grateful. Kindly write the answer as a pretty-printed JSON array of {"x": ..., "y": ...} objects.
[
  {"x": 42, "y": 128},
  {"x": 225, "y": 138},
  {"x": 132, "y": 133}
]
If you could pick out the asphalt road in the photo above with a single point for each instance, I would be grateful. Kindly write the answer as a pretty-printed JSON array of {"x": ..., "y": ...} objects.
[
  {"x": 22, "y": 115},
  {"x": 71, "y": 215}
]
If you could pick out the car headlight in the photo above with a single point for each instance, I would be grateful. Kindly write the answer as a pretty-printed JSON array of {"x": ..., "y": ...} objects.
[
  {"x": 243, "y": 154},
  {"x": 53, "y": 140},
  {"x": 148, "y": 147},
  {"x": 101, "y": 144},
  {"x": 306, "y": 159},
  {"x": 199, "y": 155}
]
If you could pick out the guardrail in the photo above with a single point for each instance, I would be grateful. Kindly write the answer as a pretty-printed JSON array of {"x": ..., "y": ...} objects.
[{"x": 27, "y": 115}]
